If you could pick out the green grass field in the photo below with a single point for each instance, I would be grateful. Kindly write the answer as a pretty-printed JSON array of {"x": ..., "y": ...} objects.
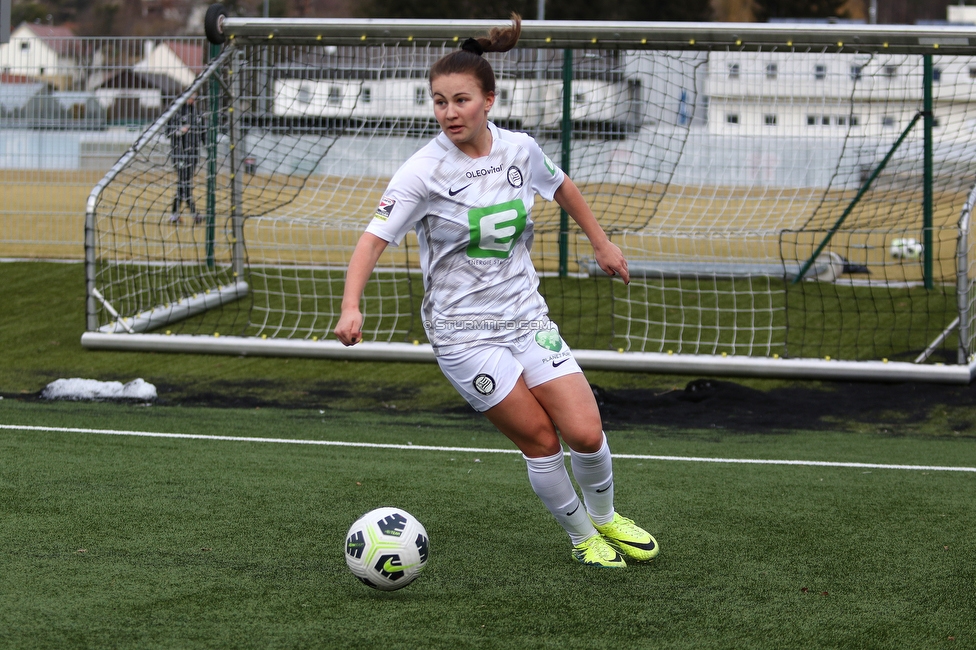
[
  {"x": 123, "y": 541},
  {"x": 130, "y": 541}
]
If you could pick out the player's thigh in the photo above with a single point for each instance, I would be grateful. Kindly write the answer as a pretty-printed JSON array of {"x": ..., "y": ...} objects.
[
  {"x": 555, "y": 378},
  {"x": 568, "y": 400},
  {"x": 523, "y": 421}
]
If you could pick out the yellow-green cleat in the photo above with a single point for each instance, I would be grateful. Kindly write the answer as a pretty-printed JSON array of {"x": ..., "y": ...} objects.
[
  {"x": 632, "y": 540},
  {"x": 597, "y": 552}
]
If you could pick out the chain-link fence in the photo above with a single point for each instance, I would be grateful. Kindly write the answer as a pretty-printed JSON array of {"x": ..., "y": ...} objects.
[{"x": 69, "y": 108}]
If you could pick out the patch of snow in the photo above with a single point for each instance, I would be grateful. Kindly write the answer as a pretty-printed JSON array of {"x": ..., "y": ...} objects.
[{"x": 92, "y": 389}]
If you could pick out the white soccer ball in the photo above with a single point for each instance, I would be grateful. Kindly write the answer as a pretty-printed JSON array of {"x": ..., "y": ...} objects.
[
  {"x": 387, "y": 548},
  {"x": 905, "y": 248}
]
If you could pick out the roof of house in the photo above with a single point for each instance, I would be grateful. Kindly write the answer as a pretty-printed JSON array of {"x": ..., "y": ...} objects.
[
  {"x": 59, "y": 38},
  {"x": 49, "y": 31},
  {"x": 136, "y": 80},
  {"x": 191, "y": 54}
]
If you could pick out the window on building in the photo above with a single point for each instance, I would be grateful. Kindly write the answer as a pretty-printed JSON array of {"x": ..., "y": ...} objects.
[
  {"x": 825, "y": 120},
  {"x": 769, "y": 119},
  {"x": 367, "y": 95},
  {"x": 856, "y": 72},
  {"x": 811, "y": 120},
  {"x": 936, "y": 75},
  {"x": 420, "y": 95},
  {"x": 841, "y": 120},
  {"x": 732, "y": 118},
  {"x": 972, "y": 72},
  {"x": 335, "y": 95},
  {"x": 733, "y": 71},
  {"x": 772, "y": 70},
  {"x": 855, "y": 120},
  {"x": 891, "y": 71},
  {"x": 504, "y": 98},
  {"x": 887, "y": 121},
  {"x": 24, "y": 46},
  {"x": 820, "y": 72}
]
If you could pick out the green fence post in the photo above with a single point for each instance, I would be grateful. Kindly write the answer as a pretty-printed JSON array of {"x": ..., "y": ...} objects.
[
  {"x": 214, "y": 103},
  {"x": 927, "y": 251},
  {"x": 567, "y": 135}
]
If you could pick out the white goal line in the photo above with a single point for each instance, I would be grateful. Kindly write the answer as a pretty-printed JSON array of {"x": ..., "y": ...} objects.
[{"x": 475, "y": 450}]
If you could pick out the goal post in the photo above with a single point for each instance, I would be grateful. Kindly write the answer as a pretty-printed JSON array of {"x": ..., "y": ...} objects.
[{"x": 794, "y": 200}]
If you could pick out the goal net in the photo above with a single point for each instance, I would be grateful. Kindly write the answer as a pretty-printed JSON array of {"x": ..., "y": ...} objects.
[{"x": 792, "y": 201}]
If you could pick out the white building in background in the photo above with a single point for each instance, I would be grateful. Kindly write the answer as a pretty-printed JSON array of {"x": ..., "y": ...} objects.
[
  {"x": 961, "y": 14},
  {"x": 44, "y": 53},
  {"x": 772, "y": 93},
  {"x": 180, "y": 60}
]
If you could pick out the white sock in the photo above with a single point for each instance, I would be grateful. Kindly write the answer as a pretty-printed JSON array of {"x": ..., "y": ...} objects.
[
  {"x": 594, "y": 474},
  {"x": 550, "y": 480}
]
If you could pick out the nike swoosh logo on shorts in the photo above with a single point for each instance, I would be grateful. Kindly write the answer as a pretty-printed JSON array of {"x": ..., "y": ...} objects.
[
  {"x": 452, "y": 192},
  {"x": 556, "y": 364}
]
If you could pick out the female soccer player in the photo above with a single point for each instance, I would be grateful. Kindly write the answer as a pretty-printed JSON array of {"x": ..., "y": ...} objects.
[{"x": 469, "y": 194}]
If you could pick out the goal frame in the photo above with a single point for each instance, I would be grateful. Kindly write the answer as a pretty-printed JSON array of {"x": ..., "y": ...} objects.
[{"x": 127, "y": 333}]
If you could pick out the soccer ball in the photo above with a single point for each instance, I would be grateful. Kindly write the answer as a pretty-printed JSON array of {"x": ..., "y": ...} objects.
[
  {"x": 905, "y": 248},
  {"x": 387, "y": 548}
]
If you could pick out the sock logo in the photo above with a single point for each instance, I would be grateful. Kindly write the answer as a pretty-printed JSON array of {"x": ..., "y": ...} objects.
[
  {"x": 570, "y": 514},
  {"x": 607, "y": 487}
]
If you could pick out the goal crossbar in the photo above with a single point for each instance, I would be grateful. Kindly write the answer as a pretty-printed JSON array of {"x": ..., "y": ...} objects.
[{"x": 941, "y": 39}]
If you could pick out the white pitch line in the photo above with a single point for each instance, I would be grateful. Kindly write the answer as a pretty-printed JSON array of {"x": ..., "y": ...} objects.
[{"x": 478, "y": 450}]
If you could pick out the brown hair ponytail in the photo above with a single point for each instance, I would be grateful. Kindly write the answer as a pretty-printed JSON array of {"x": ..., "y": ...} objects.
[{"x": 468, "y": 59}]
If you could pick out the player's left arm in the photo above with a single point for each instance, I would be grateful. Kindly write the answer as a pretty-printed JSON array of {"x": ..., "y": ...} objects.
[{"x": 608, "y": 255}]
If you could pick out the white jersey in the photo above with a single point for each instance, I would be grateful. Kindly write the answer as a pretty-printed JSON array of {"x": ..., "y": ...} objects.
[{"x": 473, "y": 222}]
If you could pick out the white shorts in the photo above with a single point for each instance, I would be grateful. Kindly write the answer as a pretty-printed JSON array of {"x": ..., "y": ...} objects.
[{"x": 486, "y": 374}]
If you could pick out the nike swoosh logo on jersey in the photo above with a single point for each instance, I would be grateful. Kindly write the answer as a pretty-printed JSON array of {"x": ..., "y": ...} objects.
[
  {"x": 453, "y": 192},
  {"x": 556, "y": 364}
]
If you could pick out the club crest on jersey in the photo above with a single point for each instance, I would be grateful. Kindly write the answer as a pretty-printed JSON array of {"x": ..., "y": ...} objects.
[
  {"x": 385, "y": 208},
  {"x": 515, "y": 178},
  {"x": 484, "y": 384}
]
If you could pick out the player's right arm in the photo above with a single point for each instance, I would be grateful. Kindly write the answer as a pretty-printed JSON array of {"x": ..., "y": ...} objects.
[{"x": 349, "y": 330}]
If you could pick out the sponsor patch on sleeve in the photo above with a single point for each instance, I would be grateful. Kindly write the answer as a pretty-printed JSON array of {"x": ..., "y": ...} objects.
[
  {"x": 549, "y": 165},
  {"x": 385, "y": 208}
]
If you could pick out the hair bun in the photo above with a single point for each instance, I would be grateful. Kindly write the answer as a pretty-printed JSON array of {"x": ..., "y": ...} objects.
[{"x": 472, "y": 45}]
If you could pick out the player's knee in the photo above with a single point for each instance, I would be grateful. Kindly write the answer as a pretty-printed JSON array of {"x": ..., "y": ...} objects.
[
  {"x": 586, "y": 438},
  {"x": 540, "y": 441}
]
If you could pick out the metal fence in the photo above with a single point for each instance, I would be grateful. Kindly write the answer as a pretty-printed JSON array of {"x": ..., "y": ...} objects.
[{"x": 69, "y": 108}]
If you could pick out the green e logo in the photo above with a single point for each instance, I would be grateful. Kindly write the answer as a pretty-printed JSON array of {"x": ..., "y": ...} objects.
[{"x": 494, "y": 230}]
